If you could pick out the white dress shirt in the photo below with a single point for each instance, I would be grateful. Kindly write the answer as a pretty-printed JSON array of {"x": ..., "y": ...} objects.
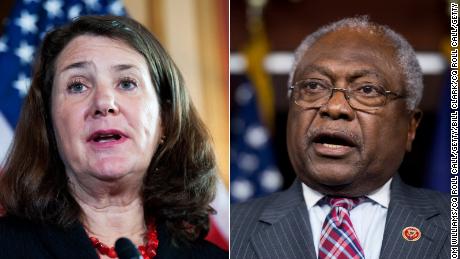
[{"x": 368, "y": 218}]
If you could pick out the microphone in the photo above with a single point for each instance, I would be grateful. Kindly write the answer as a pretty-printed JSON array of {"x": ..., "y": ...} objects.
[{"x": 126, "y": 250}]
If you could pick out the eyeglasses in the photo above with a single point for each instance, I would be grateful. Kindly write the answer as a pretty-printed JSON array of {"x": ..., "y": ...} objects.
[{"x": 315, "y": 93}]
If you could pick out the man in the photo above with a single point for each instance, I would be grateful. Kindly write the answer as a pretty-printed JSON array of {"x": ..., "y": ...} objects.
[{"x": 354, "y": 89}]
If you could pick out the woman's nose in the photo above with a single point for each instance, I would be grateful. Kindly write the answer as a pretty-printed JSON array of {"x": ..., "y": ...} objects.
[{"x": 104, "y": 102}]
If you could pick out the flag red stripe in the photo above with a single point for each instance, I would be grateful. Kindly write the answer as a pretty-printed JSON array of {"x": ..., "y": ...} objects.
[{"x": 215, "y": 237}]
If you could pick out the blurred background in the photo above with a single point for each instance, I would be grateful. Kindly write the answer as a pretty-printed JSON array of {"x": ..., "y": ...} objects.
[
  {"x": 263, "y": 35},
  {"x": 195, "y": 33}
]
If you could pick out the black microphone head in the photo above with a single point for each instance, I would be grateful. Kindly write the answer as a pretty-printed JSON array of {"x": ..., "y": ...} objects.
[{"x": 126, "y": 249}]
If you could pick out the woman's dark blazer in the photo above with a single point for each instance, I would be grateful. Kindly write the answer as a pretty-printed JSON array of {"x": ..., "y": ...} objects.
[{"x": 25, "y": 239}]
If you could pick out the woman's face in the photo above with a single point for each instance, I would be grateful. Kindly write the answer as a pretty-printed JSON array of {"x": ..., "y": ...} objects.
[{"x": 105, "y": 111}]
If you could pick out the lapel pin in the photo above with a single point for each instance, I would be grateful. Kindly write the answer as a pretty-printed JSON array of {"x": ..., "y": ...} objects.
[{"x": 411, "y": 233}]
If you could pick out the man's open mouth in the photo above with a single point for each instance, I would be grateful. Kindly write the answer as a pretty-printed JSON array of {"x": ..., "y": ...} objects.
[
  {"x": 333, "y": 144},
  {"x": 334, "y": 140}
]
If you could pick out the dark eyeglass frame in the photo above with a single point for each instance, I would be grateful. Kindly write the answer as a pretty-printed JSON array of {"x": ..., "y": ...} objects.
[{"x": 348, "y": 93}]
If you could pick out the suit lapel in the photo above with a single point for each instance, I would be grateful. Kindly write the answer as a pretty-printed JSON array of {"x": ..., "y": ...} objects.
[
  {"x": 286, "y": 231},
  {"x": 408, "y": 208}
]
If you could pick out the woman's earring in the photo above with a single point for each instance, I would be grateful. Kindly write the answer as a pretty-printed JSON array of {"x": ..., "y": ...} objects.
[{"x": 162, "y": 139}]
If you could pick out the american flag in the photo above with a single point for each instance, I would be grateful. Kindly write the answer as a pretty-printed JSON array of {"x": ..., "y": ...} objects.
[
  {"x": 252, "y": 162},
  {"x": 23, "y": 31}
]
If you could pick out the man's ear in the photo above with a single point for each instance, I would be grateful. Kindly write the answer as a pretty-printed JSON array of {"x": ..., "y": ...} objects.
[{"x": 414, "y": 120}]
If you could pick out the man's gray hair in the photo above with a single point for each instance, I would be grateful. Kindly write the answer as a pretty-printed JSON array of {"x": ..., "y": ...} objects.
[{"x": 406, "y": 57}]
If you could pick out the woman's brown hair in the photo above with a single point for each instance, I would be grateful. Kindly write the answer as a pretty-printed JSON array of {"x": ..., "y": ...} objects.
[{"x": 180, "y": 181}]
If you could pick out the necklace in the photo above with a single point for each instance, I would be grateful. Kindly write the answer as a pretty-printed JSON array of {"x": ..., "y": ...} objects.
[{"x": 148, "y": 251}]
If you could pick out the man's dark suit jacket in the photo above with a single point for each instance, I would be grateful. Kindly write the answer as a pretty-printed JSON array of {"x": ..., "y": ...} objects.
[
  {"x": 278, "y": 226},
  {"x": 24, "y": 239}
]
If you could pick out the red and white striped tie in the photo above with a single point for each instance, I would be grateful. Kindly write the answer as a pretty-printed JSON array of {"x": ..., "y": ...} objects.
[{"x": 338, "y": 238}]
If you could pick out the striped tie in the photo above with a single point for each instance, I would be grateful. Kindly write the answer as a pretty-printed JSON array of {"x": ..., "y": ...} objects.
[{"x": 338, "y": 238}]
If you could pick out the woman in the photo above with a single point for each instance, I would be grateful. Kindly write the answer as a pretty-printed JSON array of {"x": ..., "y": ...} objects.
[{"x": 108, "y": 145}]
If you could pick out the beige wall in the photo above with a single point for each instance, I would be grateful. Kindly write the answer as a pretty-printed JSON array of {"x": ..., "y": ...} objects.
[{"x": 195, "y": 34}]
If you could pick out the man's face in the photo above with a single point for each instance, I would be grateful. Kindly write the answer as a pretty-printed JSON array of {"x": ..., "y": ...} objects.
[{"x": 338, "y": 150}]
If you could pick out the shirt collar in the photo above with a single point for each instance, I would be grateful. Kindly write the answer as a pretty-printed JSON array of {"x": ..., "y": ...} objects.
[
  {"x": 380, "y": 195},
  {"x": 311, "y": 196}
]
